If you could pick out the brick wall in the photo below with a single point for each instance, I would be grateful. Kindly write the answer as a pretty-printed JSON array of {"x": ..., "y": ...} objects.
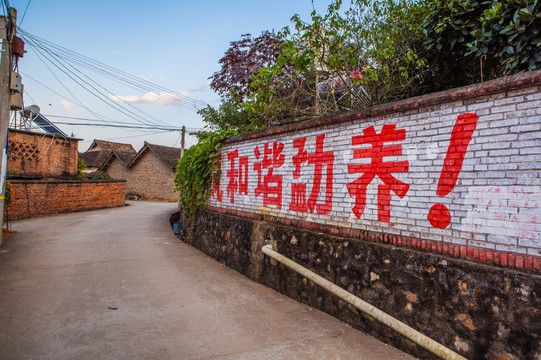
[
  {"x": 56, "y": 196},
  {"x": 456, "y": 172},
  {"x": 41, "y": 155},
  {"x": 117, "y": 170},
  {"x": 151, "y": 179}
]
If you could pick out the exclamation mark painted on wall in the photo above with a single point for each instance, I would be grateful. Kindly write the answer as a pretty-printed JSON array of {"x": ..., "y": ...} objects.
[{"x": 439, "y": 215}]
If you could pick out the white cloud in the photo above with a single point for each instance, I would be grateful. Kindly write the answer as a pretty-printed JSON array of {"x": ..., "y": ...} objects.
[
  {"x": 199, "y": 89},
  {"x": 66, "y": 104},
  {"x": 161, "y": 98}
]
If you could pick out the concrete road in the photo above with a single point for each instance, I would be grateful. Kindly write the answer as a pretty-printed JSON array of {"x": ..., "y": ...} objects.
[{"x": 117, "y": 284}]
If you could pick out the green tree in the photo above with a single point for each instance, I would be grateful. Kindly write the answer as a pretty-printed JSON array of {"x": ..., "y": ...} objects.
[
  {"x": 345, "y": 59},
  {"x": 470, "y": 41},
  {"x": 81, "y": 165},
  {"x": 228, "y": 115},
  {"x": 240, "y": 63}
]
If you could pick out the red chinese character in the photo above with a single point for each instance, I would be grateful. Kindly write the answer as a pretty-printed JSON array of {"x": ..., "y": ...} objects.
[
  {"x": 238, "y": 178},
  {"x": 216, "y": 192},
  {"x": 269, "y": 185},
  {"x": 298, "y": 190},
  {"x": 379, "y": 168}
]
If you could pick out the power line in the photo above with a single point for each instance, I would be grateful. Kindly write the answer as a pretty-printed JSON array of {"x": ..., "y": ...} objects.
[
  {"x": 118, "y": 126},
  {"x": 65, "y": 65},
  {"x": 77, "y": 102},
  {"x": 168, "y": 95},
  {"x": 65, "y": 68},
  {"x": 30, "y": 96},
  {"x": 134, "y": 136},
  {"x": 24, "y": 14},
  {"x": 70, "y": 64},
  {"x": 95, "y": 92},
  {"x": 124, "y": 124}
]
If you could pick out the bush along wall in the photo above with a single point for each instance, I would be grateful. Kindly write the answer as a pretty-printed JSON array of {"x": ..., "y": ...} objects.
[{"x": 427, "y": 208}]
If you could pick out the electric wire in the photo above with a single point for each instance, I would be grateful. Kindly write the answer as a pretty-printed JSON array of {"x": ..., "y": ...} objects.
[
  {"x": 30, "y": 96},
  {"x": 77, "y": 101},
  {"x": 128, "y": 137},
  {"x": 134, "y": 136},
  {"x": 168, "y": 95},
  {"x": 24, "y": 14},
  {"x": 98, "y": 122},
  {"x": 74, "y": 69},
  {"x": 143, "y": 119},
  {"x": 178, "y": 139},
  {"x": 65, "y": 60},
  {"x": 118, "y": 126},
  {"x": 112, "y": 122},
  {"x": 95, "y": 92}
]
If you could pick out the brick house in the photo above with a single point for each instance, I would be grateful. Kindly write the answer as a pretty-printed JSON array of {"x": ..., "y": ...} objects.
[
  {"x": 39, "y": 155},
  {"x": 100, "y": 150},
  {"x": 42, "y": 172},
  {"x": 116, "y": 164},
  {"x": 149, "y": 174}
]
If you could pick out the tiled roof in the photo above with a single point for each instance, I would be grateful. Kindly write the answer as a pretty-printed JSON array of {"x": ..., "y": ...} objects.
[
  {"x": 109, "y": 145},
  {"x": 124, "y": 157},
  {"x": 168, "y": 155},
  {"x": 92, "y": 158},
  {"x": 100, "y": 150}
]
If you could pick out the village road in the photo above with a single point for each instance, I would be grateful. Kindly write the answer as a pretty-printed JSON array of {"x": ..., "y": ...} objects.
[{"x": 117, "y": 284}]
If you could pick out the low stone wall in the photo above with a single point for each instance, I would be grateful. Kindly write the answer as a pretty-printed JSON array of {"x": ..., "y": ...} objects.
[
  {"x": 481, "y": 311},
  {"x": 44, "y": 197}
]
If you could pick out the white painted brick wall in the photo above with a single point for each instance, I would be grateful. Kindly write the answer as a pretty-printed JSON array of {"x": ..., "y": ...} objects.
[{"x": 495, "y": 203}]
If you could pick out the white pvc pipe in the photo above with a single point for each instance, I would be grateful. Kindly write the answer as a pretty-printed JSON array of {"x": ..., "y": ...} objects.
[{"x": 397, "y": 325}]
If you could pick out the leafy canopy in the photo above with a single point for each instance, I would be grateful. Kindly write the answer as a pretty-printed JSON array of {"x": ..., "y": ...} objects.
[
  {"x": 244, "y": 58},
  {"x": 471, "y": 41},
  {"x": 369, "y": 52},
  {"x": 346, "y": 59}
]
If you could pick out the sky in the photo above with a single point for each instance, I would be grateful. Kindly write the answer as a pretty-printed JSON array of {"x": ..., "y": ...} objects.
[{"x": 175, "y": 44}]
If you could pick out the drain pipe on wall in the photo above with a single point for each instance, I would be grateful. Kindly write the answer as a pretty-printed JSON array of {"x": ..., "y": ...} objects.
[{"x": 386, "y": 319}]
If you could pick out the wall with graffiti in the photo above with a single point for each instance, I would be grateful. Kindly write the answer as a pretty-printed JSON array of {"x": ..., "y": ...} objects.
[{"x": 460, "y": 169}]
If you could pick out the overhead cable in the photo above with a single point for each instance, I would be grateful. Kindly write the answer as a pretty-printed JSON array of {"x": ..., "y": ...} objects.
[
  {"x": 24, "y": 14},
  {"x": 167, "y": 95},
  {"x": 87, "y": 86}
]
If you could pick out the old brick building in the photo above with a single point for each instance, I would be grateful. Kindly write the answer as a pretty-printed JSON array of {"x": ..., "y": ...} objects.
[
  {"x": 100, "y": 151},
  {"x": 42, "y": 172},
  {"x": 38, "y": 155},
  {"x": 116, "y": 165},
  {"x": 149, "y": 174}
]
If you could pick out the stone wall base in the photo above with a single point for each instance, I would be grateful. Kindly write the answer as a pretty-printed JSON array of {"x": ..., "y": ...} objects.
[{"x": 479, "y": 310}]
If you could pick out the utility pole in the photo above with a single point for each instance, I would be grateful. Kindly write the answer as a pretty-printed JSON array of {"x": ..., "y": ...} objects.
[
  {"x": 182, "y": 141},
  {"x": 6, "y": 65}
]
